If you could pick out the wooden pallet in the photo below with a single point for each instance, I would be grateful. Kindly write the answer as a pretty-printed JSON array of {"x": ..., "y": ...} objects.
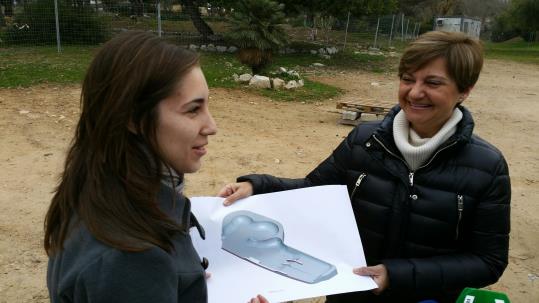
[{"x": 361, "y": 107}]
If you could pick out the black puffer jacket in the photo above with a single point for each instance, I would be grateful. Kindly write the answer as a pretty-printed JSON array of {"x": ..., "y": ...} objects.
[{"x": 438, "y": 229}]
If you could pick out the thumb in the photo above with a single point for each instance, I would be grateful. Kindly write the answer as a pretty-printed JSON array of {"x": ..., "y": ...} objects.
[
  {"x": 363, "y": 271},
  {"x": 232, "y": 198},
  {"x": 223, "y": 192},
  {"x": 227, "y": 190}
]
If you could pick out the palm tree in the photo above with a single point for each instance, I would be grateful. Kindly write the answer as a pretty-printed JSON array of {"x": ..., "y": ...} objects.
[{"x": 256, "y": 31}]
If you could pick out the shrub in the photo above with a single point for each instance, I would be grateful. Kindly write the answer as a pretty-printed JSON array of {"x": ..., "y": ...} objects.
[
  {"x": 36, "y": 24},
  {"x": 256, "y": 30},
  {"x": 503, "y": 29}
]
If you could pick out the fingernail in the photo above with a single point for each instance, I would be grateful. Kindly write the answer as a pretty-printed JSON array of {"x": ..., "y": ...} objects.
[
  {"x": 226, "y": 202},
  {"x": 356, "y": 270}
]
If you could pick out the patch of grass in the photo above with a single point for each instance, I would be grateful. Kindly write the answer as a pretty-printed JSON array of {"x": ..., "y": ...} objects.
[
  {"x": 356, "y": 60},
  {"x": 311, "y": 91},
  {"x": 25, "y": 66},
  {"x": 347, "y": 60},
  {"x": 219, "y": 67},
  {"x": 519, "y": 51},
  {"x": 30, "y": 66},
  {"x": 181, "y": 26}
]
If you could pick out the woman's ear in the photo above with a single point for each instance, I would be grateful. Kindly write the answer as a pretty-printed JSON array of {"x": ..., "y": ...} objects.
[{"x": 465, "y": 94}]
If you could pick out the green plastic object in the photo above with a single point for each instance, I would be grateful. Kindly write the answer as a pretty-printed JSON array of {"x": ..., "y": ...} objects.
[{"x": 473, "y": 295}]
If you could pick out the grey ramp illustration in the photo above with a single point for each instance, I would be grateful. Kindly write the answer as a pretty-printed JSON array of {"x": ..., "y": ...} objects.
[{"x": 260, "y": 240}]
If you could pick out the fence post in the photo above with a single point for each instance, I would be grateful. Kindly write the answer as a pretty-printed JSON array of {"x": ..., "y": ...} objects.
[
  {"x": 159, "y": 18},
  {"x": 402, "y": 28},
  {"x": 58, "y": 45},
  {"x": 346, "y": 30},
  {"x": 407, "y": 23},
  {"x": 376, "y": 34},
  {"x": 391, "y": 32}
]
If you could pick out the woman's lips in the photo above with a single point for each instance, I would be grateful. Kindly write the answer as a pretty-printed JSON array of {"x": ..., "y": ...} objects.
[
  {"x": 419, "y": 105},
  {"x": 200, "y": 150}
]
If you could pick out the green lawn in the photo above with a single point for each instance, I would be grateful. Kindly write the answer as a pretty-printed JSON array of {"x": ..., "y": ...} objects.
[
  {"x": 27, "y": 66},
  {"x": 513, "y": 50}
]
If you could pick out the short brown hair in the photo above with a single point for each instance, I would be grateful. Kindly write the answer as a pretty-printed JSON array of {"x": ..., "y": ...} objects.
[
  {"x": 464, "y": 56},
  {"x": 112, "y": 173}
]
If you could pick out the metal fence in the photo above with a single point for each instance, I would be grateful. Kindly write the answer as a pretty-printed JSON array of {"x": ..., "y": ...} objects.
[
  {"x": 380, "y": 32},
  {"x": 66, "y": 22}
]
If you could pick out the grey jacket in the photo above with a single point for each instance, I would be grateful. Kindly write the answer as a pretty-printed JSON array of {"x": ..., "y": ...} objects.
[{"x": 87, "y": 270}]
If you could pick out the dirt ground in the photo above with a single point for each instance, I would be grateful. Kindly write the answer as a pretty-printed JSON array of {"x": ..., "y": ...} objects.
[{"x": 257, "y": 135}]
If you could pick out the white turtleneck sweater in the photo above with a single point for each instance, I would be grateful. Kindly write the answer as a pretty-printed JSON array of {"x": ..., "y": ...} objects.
[{"x": 416, "y": 150}]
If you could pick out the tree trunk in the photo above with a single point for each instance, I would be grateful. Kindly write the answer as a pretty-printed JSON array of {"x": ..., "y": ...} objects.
[
  {"x": 2, "y": 18},
  {"x": 201, "y": 26},
  {"x": 137, "y": 8},
  {"x": 8, "y": 8},
  {"x": 311, "y": 21},
  {"x": 255, "y": 58}
]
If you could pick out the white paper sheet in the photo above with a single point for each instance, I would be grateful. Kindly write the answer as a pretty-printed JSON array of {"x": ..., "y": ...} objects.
[{"x": 317, "y": 220}]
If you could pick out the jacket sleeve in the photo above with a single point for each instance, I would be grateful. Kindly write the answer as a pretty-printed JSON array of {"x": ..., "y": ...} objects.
[
  {"x": 481, "y": 261},
  {"x": 330, "y": 171},
  {"x": 117, "y": 277}
]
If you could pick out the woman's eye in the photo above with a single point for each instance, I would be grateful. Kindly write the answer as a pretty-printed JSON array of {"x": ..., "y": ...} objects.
[
  {"x": 434, "y": 83},
  {"x": 193, "y": 110},
  {"x": 407, "y": 80}
]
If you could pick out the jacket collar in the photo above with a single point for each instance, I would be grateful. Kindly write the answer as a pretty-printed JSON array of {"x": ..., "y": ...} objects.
[
  {"x": 178, "y": 207},
  {"x": 462, "y": 135}
]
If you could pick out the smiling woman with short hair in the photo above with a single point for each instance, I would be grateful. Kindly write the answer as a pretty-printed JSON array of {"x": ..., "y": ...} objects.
[{"x": 431, "y": 199}]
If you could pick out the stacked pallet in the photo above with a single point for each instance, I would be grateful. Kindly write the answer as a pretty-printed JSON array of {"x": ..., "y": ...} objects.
[{"x": 352, "y": 110}]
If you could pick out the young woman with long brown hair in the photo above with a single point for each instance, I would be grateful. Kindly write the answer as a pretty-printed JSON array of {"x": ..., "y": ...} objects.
[{"x": 117, "y": 229}]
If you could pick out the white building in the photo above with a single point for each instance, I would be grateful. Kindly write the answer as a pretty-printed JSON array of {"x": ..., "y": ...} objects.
[{"x": 469, "y": 26}]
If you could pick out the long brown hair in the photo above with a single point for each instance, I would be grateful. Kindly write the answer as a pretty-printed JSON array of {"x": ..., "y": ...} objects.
[{"x": 112, "y": 171}]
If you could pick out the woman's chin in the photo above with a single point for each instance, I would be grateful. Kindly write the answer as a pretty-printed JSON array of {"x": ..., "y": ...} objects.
[{"x": 193, "y": 168}]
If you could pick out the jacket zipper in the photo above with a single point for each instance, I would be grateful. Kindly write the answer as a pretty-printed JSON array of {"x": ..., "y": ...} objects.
[
  {"x": 437, "y": 152},
  {"x": 460, "y": 207},
  {"x": 411, "y": 178},
  {"x": 411, "y": 172},
  {"x": 358, "y": 182},
  {"x": 390, "y": 152}
]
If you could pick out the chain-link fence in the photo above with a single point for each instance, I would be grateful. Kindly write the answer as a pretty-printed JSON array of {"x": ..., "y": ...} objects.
[
  {"x": 88, "y": 22},
  {"x": 376, "y": 32},
  {"x": 65, "y": 22}
]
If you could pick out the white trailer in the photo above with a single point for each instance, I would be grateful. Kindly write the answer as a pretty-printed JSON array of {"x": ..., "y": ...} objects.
[{"x": 469, "y": 26}]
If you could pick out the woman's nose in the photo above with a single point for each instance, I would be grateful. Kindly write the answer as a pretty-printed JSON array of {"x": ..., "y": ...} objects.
[
  {"x": 416, "y": 91},
  {"x": 210, "y": 127}
]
